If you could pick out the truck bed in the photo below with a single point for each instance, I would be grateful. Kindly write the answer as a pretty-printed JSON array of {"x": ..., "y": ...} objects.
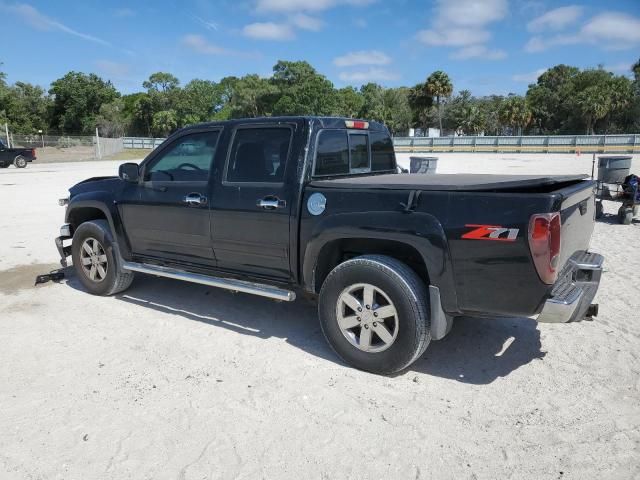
[{"x": 452, "y": 182}]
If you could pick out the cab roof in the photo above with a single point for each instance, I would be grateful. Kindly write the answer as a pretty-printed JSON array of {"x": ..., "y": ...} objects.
[{"x": 316, "y": 121}]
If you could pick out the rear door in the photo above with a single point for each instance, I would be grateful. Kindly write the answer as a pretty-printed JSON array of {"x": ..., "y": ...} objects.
[
  {"x": 251, "y": 207},
  {"x": 166, "y": 215}
]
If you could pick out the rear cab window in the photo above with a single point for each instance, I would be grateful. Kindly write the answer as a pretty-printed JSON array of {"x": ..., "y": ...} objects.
[{"x": 344, "y": 152}]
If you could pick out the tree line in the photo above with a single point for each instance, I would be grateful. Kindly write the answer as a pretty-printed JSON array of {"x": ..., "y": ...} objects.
[{"x": 564, "y": 100}]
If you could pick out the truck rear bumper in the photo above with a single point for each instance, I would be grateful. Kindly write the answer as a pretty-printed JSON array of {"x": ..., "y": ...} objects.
[{"x": 571, "y": 295}]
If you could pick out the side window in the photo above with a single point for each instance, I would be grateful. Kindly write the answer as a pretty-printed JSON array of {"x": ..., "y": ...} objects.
[
  {"x": 259, "y": 155},
  {"x": 382, "y": 154},
  {"x": 188, "y": 159},
  {"x": 332, "y": 157},
  {"x": 359, "y": 149}
]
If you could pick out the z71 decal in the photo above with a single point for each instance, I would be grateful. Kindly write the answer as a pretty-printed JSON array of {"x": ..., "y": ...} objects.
[{"x": 491, "y": 232}]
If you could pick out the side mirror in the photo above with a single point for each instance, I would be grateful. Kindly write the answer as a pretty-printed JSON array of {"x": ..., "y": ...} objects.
[{"x": 129, "y": 172}]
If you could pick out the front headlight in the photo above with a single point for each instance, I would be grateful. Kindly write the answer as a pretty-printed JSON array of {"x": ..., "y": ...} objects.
[{"x": 63, "y": 201}]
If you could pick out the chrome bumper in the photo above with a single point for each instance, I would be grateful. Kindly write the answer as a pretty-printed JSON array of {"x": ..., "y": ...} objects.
[
  {"x": 64, "y": 251},
  {"x": 571, "y": 295}
]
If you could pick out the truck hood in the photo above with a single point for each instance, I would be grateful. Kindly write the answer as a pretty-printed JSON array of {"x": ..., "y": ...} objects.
[
  {"x": 452, "y": 182},
  {"x": 93, "y": 184}
]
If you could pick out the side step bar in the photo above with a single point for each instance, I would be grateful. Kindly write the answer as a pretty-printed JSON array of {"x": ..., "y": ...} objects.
[{"x": 226, "y": 283}]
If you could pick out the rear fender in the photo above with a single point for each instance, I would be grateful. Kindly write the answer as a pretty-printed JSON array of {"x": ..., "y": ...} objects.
[{"x": 421, "y": 231}]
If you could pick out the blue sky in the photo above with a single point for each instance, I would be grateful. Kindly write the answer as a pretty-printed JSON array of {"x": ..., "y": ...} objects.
[{"x": 487, "y": 46}]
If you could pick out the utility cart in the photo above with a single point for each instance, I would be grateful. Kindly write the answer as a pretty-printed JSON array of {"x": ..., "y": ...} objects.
[{"x": 614, "y": 183}]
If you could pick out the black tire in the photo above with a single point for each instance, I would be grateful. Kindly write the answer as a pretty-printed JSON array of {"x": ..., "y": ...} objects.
[
  {"x": 599, "y": 210},
  {"x": 404, "y": 289},
  {"x": 625, "y": 215},
  {"x": 20, "y": 161},
  {"x": 116, "y": 279}
]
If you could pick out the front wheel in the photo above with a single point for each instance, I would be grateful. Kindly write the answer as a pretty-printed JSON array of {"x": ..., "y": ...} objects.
[
  {"x": 94, "y": 259},
  {"x": 374, "y": 313},
  {"x": 20, "y": 161}
]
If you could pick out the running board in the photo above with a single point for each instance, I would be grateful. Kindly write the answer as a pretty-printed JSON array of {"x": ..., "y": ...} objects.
[{"x": 226, "y": 283}]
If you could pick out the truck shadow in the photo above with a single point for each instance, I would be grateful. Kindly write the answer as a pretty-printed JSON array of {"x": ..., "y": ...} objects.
[
  {"x": 480, "y": 350},
  {"x": 476, "y": 351}
]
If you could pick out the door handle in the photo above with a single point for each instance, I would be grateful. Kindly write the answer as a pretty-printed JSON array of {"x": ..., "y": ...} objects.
[
  {"x": 271, "y": 203},
  {"x": 195, "y": 199}
]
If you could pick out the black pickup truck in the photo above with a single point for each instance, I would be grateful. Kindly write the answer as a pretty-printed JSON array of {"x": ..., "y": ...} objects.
[
  {"x": 16, "y": 156},
  {"x": 275, "y": 206}
]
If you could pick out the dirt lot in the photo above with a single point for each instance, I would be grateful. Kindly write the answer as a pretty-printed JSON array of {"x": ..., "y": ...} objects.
[{"x": 172, "y": 380}]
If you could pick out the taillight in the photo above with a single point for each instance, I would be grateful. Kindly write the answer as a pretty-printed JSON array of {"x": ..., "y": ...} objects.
[
  {"x": 33, "y": 152},
  {"x": 359, "y": 124},
  {"x": 544, "y": 243}
]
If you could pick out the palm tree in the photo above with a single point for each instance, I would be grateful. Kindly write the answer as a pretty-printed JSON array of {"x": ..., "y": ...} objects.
[
  {"x": 636, "y": 71},
  {"x": 594, "y": 103},
  {"x": 515, "y": 113},
  {"x": 439, "y": 85}
]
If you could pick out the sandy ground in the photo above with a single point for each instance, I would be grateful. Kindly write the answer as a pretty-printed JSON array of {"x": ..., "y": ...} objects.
[{"x": 172, "y": 380}]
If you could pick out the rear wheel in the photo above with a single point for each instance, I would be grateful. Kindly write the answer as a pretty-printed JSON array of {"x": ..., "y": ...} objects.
[
  {"x": 625, "y": 215},
  {"x": 373, "y": 311},
  {"x": 20, "y": 161},
  {"x": 95, "y": 262}
]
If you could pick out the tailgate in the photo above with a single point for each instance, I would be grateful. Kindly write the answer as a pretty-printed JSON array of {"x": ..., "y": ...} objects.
[{"x": 577, "y": 212}]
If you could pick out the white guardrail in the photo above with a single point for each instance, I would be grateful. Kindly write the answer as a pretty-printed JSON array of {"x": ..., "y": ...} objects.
[{"x": 522, "y": 144}]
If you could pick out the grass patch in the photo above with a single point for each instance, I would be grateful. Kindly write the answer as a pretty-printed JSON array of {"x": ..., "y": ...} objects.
[{"x": 131, "y": 154}]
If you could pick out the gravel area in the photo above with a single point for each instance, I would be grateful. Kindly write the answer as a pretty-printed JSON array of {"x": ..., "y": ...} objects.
[{"x": 178, "y": 381}]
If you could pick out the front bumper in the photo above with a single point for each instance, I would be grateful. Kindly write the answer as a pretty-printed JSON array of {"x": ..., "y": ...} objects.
[
  {"x": 571, "y": 295},
  {"x": 64, "y": 251}
]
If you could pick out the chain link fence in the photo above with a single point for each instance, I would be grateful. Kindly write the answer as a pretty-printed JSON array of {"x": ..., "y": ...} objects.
[{"x": 67, "y": 148}]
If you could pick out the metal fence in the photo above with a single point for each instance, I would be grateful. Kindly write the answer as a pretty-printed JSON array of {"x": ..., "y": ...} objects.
[
  {"x": 523, "y": 144},
  {"x": 67, "y": 148},
  {"x": 146, "y": 143}
]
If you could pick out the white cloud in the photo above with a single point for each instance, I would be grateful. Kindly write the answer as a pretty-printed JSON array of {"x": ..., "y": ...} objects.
[
  {"x": 113, "y": 69},
  {"x": 453, "y": 37},
  {"x": 479, "y": 51},
  {"x": 556, "y": 19},
  {"x": 372, "y": 74},
  {"x": 305, "y": 22},
  {"x": 621, "y": 29},
  {"x": 289, "y": 6},
  {"x": 269, "y": 31},
  {"x": 199, "y": 44},
  {"x": 464, "y": 24},
  {"x": 363, "y": 57},
  {"x": 209, "y": 25},
  {"x": 40, "y": 21},
  {"x": 470, "y": 13},
  {"x": 608, "y": 31},
  {"x": 530, "y": 77}
]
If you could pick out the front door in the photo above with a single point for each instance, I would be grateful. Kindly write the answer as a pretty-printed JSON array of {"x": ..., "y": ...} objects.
[
  {"x": 250, "y": 210},
  {"x": 166, "y": 215}
]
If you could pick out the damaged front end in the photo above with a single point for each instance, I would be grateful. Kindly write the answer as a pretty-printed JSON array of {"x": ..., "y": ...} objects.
[{"x": 64, "y": 250}]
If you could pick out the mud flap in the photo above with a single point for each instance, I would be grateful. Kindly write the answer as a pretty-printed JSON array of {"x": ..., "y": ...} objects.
[{"x": 440, "y": 322}]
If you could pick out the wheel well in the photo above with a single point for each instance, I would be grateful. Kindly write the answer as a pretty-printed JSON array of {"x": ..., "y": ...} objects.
[
  {"x": 83, "y": 214},
  {"x": 338, "y": 251}
]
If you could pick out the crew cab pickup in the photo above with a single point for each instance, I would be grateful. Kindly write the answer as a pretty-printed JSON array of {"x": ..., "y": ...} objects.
[
  {"x": 279, "y": 206},
  {"x": 16, "y": 156}
]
